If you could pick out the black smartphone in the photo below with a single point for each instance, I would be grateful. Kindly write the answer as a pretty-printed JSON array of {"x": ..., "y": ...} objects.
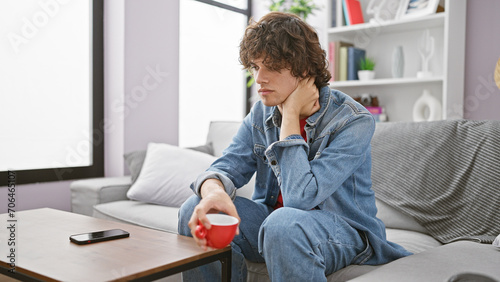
[{"x": 99, "y": 236}]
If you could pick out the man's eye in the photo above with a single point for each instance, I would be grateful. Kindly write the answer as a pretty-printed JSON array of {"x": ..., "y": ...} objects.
[{"x": 253, "y": 69}]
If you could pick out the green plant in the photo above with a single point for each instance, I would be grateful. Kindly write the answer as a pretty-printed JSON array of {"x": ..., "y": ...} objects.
[
  {"x": 250, "y": 82},
  {"x": 301, "y": 8},
  {"x": 366, "y": 64}
]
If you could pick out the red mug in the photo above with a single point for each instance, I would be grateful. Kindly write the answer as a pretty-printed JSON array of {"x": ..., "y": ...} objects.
[{"x": 222, "y": 231}]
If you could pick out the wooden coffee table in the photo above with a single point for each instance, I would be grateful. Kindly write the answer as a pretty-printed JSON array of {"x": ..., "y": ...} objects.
[{"x": 44, "y": 252}]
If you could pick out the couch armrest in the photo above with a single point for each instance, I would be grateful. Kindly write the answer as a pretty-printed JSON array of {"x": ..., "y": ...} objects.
[{"x": 87, "y": 193}]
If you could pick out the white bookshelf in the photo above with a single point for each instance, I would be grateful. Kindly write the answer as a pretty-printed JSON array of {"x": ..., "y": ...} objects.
[
  {"x": 431, "y": 21},
  {"x": 388, "y": 82},
  {"x": 398, "y": 95}
]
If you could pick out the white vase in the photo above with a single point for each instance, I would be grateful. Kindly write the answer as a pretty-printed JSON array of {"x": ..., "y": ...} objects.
[
  {"x": 366, "y": 75},
  {"x": 398, "y": 62},
  {"x": 427, "y": 108}
]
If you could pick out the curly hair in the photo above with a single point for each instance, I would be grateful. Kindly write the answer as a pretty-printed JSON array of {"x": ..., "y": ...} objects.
[{"x": 284, "y": 40}]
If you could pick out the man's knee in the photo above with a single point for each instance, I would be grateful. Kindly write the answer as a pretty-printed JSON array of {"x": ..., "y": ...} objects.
[
  {"x": 281, "y": 225},
  {"x": 185, "y": 212},
  {"x": 284, "y": 217}
]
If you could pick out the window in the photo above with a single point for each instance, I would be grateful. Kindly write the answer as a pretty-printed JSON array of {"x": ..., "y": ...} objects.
[
  {"x": 51, "y": 89},
  {"x": 212, "y": 83}
]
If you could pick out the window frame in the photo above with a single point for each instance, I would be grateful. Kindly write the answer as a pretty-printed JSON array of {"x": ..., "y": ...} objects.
[{"x": 97, "y": 77}]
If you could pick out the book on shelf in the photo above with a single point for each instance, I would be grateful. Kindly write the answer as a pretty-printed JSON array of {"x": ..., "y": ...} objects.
[
  {"x": 333, "y": 4},
  {"x": 343, "y": 64},
  {"x": 377, "y": 113},
  {"x": 331, "y": 59},
  {"x": 334, "y": 58},
  {"x": 354, "y": 56},
  {"x": 353, "y": 13},
  {"x": 374, "y": 110}
]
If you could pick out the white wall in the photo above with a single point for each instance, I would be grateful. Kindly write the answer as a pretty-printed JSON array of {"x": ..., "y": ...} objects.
[
  {"x": 151, "y": 72},
  {"x": 114, "y": 87},
  {"x": 141, "y": 103}
]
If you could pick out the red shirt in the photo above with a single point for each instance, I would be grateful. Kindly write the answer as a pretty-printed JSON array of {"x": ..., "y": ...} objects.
[{"x": 279, "y": 203}]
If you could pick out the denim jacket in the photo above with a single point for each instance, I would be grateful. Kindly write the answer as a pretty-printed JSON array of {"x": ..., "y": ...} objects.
[{"x": 330, "y": 172}]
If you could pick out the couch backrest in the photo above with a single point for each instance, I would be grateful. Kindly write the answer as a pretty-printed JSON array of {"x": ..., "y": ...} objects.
[
  {"x": 220, "y": 134},
  {"x": 444, "y": 174}
]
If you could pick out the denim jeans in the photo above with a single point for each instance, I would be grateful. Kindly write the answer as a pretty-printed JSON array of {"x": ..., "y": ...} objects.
[{"x": 296, "y": 245}]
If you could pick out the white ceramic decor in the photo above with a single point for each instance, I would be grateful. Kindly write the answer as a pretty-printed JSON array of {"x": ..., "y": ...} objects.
[
  {"x": 426, "y": 50},
  {"x": 398, "y": 62},
  {"x": 427, "y": 108}
]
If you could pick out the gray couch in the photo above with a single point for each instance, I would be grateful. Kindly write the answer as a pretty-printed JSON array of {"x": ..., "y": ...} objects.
[{"x": 429, "y": 178}]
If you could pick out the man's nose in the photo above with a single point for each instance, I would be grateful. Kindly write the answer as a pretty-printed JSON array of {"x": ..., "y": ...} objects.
[{"x": 260, "y": 76}]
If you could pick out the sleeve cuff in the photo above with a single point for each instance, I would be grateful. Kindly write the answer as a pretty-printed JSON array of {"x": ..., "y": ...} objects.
[
  {"x": 228, "y": 184},
  {"x": 275, "y": 150}
]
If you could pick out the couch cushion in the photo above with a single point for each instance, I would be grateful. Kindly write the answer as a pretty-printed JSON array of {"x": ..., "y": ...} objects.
[
  {"x": 412, "y": 241},
  {"x": 138, "y": 213},
  {"x": 393, "y": 218},
  {"x": 439, "y": 264},
  {"x": 257, "y": 272}
]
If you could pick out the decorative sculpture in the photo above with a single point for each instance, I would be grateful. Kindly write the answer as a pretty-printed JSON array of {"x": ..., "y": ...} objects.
[
  {"x": 427, "y": 108},
  {"x": 426, "y": 50},
  {"x": 371, "y": 9}
]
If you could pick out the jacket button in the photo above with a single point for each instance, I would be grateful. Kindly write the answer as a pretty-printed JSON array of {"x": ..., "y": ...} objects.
[{"x": 273, "y": 162}]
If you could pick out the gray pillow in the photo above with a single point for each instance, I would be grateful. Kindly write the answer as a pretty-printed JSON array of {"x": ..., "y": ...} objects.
[
  {"x": 207, "y": 149},
  {"x": 135, "y": 159}
]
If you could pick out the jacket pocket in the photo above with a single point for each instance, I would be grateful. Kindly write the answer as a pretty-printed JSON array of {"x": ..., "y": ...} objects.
[{"x": 259, "y": 151}]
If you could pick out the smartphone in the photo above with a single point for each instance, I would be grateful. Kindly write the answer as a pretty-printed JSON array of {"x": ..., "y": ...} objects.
[{"x": 99, "y": 236}]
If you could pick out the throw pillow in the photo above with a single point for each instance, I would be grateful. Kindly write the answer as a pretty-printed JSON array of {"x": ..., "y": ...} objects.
[
  {"x": 135, "y": 159},
  {"x": 167, "y": 173},
  {"x": 207, "y": 149}
]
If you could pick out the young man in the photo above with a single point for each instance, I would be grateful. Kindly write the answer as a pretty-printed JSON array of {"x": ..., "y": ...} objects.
[{"x": 313, "y": 210}]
